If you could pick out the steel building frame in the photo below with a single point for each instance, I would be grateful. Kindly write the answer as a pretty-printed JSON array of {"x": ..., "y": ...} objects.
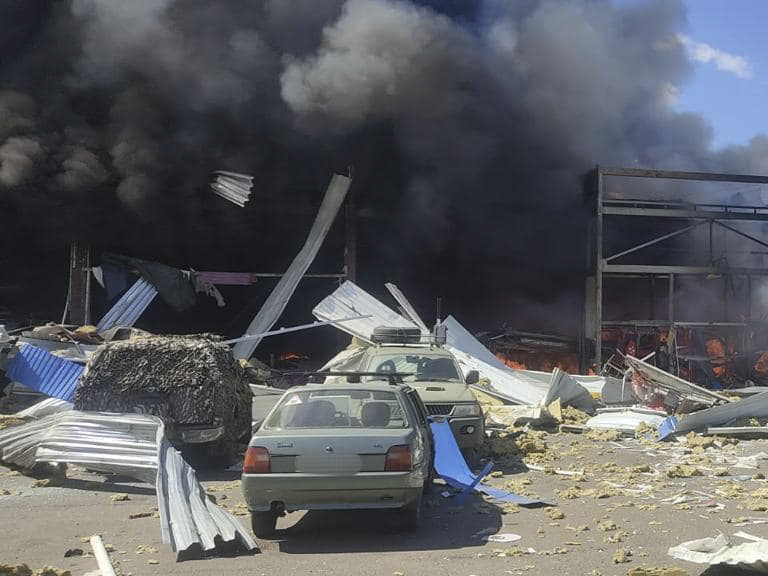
[{"x": 601, "y": 265}]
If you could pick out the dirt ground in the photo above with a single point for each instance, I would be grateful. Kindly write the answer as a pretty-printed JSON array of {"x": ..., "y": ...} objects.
[{"x": 633, "y": 501}]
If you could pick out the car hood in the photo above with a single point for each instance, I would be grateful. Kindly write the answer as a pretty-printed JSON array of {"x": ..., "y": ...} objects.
[{"x": 443, "y": 392}]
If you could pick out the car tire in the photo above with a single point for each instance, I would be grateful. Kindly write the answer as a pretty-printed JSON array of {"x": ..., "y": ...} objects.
[
  {"x": 263, "y": 524},
  {"x": 429, "y": 483},
  {"x": 410, "y": 515}
]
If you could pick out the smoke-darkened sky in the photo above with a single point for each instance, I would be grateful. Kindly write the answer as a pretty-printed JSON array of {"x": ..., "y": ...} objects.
[{"x": 469, "y": 125}]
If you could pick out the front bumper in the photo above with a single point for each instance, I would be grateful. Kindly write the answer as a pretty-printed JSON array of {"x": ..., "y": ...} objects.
[
  {"x": 469, "y": 432},
  {"x": 196, "y": 434},
  {"x": 302, "y": 491}
]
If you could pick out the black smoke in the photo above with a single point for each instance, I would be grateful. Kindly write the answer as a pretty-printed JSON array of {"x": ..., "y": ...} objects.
[{"x": 469, "y": 126}]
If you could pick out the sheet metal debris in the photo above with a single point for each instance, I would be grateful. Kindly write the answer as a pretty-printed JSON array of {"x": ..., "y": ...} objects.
[
  {"x": 232, "y": 186},
  {"x": 45, "y": 408},
  {"x": 657, "y": 381},
  {"x": 625, "y": 421},
  {"x": 279, "y": 297},
  {"x": 718, "y": 550},
  {"x": 42, "y": 371},
  {"x": 450, "y": 465},
  {"x": 129, "y": 307},
  {"x": 755, "y": 406},
  {"x": 134, "y": 445},
  {"x": 407, "y": 308},
  {"x": 351, "y": 300}
]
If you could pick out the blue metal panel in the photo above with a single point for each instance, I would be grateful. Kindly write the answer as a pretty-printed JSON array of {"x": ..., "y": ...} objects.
[
  {"x": 451, "y": 466},
  {"x": 42, "y": 371},
  {"x": 130, "y": 306}
]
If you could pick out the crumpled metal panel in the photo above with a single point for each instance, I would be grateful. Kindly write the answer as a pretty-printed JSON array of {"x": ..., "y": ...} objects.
[
  {"x": 42, "y": 371},
  {"x": 233, "y": 186},
  {"x": 277, "y": 300},
  {"x": 45, "y": 408},
  {"x": 188, "y": 518},
  {"x": 657, "y": 379},
  {"x": 407, "y": 307},
  {"x": 749, "y": 557},
  {"x": 626, "y": 420},
  {"x": 523, "y": 386},
  {"x": 134, "y": 445},
  {"x": 129, "y": 307},
  {"x": 351, "y": 300}
]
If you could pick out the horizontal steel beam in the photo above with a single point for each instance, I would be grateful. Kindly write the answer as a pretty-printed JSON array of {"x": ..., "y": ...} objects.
[
  {"x": 680, "y": 175},
  {"x": 648, "y": 270},
  {"x": 658, "y": 323},
  {"x": 685, "y": 214}
]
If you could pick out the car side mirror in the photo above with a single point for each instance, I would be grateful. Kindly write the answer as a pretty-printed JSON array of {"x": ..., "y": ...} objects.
[{"x": 473, "y": 377}]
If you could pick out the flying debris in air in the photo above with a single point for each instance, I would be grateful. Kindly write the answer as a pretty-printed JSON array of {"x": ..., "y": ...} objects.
[{"x": 232, "y": 186}]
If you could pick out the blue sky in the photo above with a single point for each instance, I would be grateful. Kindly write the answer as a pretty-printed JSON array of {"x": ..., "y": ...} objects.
[{"x": 728, "y": 44}]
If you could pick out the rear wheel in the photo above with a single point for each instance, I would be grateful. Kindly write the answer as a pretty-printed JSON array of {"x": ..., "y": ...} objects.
[
  {"x": 410, "y": 515},
  {"x": 429, "y": 483},
  {"x": 263, "y": 524}
]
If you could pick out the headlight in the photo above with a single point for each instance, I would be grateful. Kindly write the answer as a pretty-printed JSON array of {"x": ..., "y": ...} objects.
[{"x": 463, "y": 410}]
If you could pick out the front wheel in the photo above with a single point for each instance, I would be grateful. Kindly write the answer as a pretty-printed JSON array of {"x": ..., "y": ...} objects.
[{"x": 263, "y": 524}]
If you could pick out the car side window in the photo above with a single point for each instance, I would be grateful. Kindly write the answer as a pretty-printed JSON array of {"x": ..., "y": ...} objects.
[{"x": 417, "y": 407}]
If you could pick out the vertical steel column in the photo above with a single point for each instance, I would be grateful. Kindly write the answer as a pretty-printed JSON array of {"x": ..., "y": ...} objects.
[
  {"x": 350, "y": 248},
  {"x": 599, "y": 274},
  {"x": 671, "y": 303},
  {"x": 78, "y": 283}
]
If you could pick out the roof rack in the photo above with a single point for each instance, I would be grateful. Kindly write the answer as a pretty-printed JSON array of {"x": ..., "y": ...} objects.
[{"x": 394, "y": 378}]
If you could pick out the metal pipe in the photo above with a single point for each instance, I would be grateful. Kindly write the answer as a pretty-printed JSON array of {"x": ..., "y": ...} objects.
[
  {"x": 102, "y": 556},
  {"x": 292, "y": 329}
]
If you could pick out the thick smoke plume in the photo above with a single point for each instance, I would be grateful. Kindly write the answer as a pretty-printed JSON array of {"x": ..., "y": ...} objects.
[{"x": 469, "y": 125}]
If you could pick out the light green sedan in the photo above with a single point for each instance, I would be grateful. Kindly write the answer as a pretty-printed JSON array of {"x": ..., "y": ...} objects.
[{"x": 339, "y": 447}]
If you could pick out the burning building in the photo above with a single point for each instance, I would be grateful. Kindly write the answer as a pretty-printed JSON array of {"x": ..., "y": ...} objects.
[
  {"x": 469, "y": 125},
  {"x": 678, "y": 270}
]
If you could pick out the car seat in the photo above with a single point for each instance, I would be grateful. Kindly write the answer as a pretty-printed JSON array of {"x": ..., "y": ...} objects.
[{"x": 375, "y": 415}]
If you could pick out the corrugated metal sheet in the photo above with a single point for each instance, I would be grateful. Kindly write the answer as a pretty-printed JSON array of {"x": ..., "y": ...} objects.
[
  {"x": 407, "y": 307},
  {"x": 279, "y": 297},
  {"x": 42, "y": 371},
  {"x": 351, "y": 300},
  {"x": 233, "y": 186},
  {"x": 45, "y": 408},
  {"x": 134, "y": 445},
  {"x": 130, "y": 306},
  {"x": 187, "y": 516}
]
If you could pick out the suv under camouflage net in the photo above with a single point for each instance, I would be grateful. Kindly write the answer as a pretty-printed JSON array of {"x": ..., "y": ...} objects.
[{"x": 182, "y": 379}]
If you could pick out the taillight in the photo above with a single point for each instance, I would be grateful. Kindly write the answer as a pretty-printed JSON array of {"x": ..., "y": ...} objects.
[
  {"x": 398, "y": 459},
  {"x": 256, "y": 460}
]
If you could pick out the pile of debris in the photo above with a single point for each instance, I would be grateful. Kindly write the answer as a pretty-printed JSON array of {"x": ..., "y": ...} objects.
[{"x": 184, "y": 380}]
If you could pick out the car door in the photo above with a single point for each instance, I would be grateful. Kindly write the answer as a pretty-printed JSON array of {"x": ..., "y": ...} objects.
[{"x": 422, "y": 420}]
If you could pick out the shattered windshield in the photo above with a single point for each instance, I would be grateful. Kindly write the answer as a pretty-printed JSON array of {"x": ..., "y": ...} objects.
[
  {"x": 335, "y": 408},
  {"x": 425, "y": 368}
]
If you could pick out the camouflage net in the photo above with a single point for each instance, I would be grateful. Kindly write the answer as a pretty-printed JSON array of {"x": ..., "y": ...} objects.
[{"x": 181, "y": 379}]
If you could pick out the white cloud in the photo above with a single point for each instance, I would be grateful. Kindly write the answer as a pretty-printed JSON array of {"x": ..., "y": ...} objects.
[{"x": 725, "y": 61}]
